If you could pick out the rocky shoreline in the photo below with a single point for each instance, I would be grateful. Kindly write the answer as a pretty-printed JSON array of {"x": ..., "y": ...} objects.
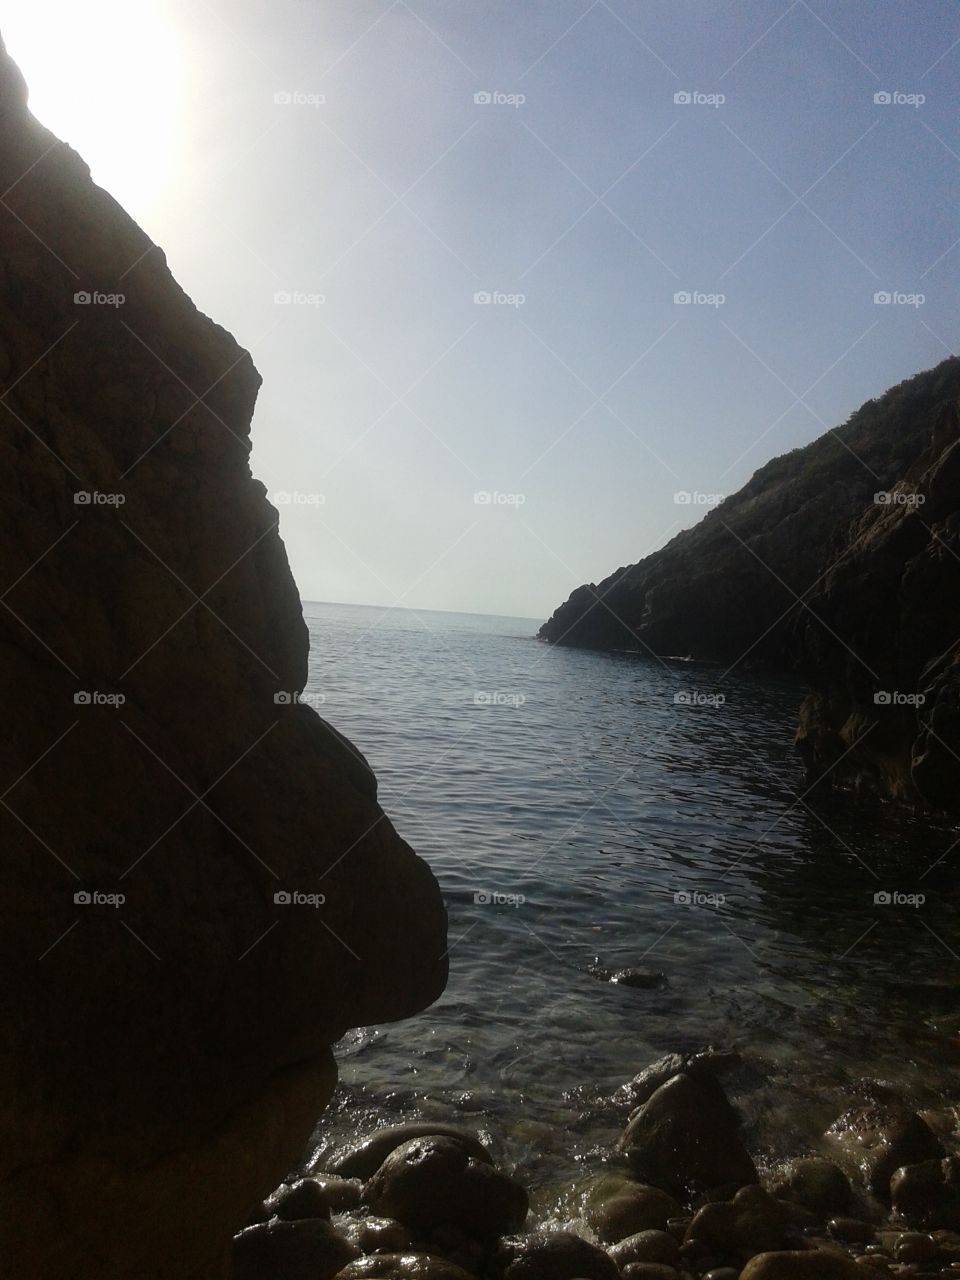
[{"x": 679, "y": 1197}]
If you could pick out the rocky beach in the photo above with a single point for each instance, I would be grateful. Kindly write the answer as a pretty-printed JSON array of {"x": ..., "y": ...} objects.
[{"x": 680, "y": 1196}]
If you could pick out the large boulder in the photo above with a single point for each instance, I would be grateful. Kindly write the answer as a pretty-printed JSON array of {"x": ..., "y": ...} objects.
[
  {"x": 685, "y": 1137},
  {"x": 200, "y": 889},
  {"x": 875, "y": 1140},
  {"x": 364, "y": 1156},
  {"x": 437, "y": 1181}
]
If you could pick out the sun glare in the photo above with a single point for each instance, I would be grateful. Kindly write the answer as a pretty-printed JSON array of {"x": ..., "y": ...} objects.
[{"x": 106, "y": 77}]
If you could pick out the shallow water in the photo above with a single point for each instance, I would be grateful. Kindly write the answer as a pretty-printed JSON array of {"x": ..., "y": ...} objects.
[{"x": 577, "y": 782}]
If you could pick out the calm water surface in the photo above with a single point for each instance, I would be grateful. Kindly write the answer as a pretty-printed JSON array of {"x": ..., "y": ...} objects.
[{"x": 564, "y": 799}]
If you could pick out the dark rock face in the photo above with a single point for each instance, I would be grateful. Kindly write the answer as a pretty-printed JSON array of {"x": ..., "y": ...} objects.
[
  {"x": 803, "y": 568},
  {"x": 166, "y": 1017}
]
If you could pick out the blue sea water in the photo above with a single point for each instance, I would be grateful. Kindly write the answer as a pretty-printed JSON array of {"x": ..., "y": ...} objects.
[{"x": 581, "y": 807}]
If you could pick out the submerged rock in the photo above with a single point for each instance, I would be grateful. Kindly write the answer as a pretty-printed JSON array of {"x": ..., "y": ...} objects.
[
  {"x": 554, "y": 1255},
  {"x": 874, "y": 1141},
  {"x": 167, "y": 1017},
  {"x": 685, "y": 1137},
  {"x": 818, "y": 1184},
  {"x": 642, "y": 979},
  {"x": 437, "y": 1181}
]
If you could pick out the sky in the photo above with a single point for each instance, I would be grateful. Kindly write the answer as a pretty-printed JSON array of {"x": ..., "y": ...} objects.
[{"x": 530, "y": 282}]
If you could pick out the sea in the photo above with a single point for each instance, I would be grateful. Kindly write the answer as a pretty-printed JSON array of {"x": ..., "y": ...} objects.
[{"x": 587, "y": 812}]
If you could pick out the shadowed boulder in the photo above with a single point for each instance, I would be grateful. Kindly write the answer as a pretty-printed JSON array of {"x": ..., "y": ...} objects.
[{"x": 167, "y": 1016}]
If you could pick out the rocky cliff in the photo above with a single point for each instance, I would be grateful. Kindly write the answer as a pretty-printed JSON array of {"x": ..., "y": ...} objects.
[
  {"x": 200, "y": 891},
  {"x": 840, "y": 560}
]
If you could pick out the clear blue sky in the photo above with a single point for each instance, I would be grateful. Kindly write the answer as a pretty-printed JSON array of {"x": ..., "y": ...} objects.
[{"x": 597, "y": 198}]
